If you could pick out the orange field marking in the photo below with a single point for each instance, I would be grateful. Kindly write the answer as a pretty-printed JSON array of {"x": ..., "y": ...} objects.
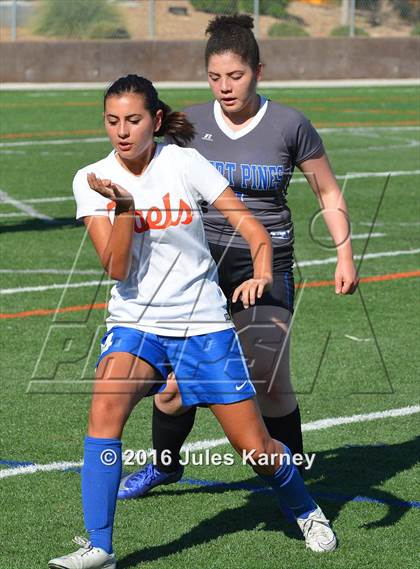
[
  {"x": 351, "y": 99},
  {"x": 366, "y": 123},
  {"x": 17, "y": 135},
  {"x": 400, "y": 112},
  {"x": 321, "y": 109},
  {"x": 291, "y": 100},
  {"x": 378, "y": 278},
  {"x": 46, "y": 312},
  {"x": 101, "y": 305},
  {"x": 383, "y": 111}
]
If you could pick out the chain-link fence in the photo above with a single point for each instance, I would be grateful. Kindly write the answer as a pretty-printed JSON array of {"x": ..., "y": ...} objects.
[{"x": 38, "y": 20}]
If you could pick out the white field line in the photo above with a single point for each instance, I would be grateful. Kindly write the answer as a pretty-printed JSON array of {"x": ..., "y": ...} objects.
[
  {"x": 366, "y": 235},
  {"x": 356, "y": 175},
  {"x": 408, "y": 144},
  {"x": 14, "y": 214},
  {"x": 6, "y": 473},
  {"x": 213, "y": 443},
  {"x": 330, "y": 260},
  {"x": 388, "y": 223},
  {"x": 327, "y": 261},
  {"x": 50, "y": 272},
  {"x": 23, "y": 207},
  {"x": 53, "y": 142},
  {"x": 350, "y": 176},
  {"x": 359, "y": 130},
  {"x": 53, "y": 287},
  {"x": 48, "y": 200},
  {"x": 356, "y": 339}
]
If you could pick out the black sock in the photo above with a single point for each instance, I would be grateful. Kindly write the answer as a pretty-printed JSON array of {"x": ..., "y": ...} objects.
[
  {"x": 168, "y": 434},
  {"x": 288, "y": 430}
]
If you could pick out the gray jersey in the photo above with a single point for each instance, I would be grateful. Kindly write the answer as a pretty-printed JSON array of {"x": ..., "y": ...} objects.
[{"x": 258, "y": 161}]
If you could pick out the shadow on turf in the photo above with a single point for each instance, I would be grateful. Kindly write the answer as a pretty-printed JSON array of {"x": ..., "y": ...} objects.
[
  {"x": 40, "y": 225},
  {"x": 257, "y": 512},
  {"x": 344, "y": 472}
]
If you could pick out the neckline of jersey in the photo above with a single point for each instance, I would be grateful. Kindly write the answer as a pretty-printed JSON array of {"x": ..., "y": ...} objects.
[
  {"x": 158, "y": 150},
  {"x": 235, "y": 134}
]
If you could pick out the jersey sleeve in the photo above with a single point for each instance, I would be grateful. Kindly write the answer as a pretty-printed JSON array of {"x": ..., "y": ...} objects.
[
  {"x": 88, "y": 201},
  {"x": 307, "y": 141},
  {"x": 205, "y": 182}
]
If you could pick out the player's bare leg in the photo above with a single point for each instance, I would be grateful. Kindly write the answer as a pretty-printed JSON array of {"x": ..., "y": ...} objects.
[
  {"x": 271, "y": 460},
  {"x": 245, "y": 429},
  {"x": 166, "y": 469},
  {"x": 169, "y": 401},
  {"x": 122, "y": 380}
]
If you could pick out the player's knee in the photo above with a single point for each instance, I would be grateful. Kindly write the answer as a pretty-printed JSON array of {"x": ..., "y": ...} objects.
[
  {"x": 275, "y": 405},
  {"x": 169, "y": 403},
  {"x": 167, "y": 398},
  {"x": 105, "y": 414},
  {"x": 258, "y": 449}
]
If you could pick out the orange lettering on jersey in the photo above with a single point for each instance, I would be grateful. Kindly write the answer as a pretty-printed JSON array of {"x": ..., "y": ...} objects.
[
  {"x": 157, "y": 218},
  {"x": 184, "y": 208},
  {"x": 154, "y": 218}
]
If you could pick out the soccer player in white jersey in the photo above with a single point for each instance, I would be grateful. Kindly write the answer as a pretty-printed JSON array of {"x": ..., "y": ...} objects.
[{"x": 140, "y": 205}]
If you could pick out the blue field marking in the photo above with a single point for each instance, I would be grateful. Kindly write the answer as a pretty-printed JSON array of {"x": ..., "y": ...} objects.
[
  {"x": 344, "y": 498},
  {"x": 15, "y": 463},
  {"x": 249, "y": 487},
  {"x": 324, "y": 495}
]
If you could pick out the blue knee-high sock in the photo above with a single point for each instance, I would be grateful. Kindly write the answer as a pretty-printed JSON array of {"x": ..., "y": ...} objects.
[
  {"x": 101, "y": 473},
  {"x": 290, "y": 488}
]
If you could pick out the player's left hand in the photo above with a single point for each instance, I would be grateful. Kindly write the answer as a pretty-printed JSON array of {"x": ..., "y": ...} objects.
[
  {"x": 122, "y": 198},
  {"x": 251, "y": 289},
  {"x": 346, "y": 277}
]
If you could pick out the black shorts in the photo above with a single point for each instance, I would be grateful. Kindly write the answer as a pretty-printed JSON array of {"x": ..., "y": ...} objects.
[{"x": 235, "y": 266}]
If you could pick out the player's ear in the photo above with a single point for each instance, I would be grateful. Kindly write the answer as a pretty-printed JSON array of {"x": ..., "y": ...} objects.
[{"x": 158, "y": 120}]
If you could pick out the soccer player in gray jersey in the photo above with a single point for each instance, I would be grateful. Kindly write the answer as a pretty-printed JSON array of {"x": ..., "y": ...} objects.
[{"x": 256, "y": 144}]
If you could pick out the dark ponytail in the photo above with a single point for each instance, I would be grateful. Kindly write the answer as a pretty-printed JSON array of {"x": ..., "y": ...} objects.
[
  {"x": 174, "y": 124},
  {"x": 233, "y": 33}
]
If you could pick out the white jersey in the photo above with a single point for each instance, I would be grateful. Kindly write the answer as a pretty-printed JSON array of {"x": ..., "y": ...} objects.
[{"x": 172, "y": 287}]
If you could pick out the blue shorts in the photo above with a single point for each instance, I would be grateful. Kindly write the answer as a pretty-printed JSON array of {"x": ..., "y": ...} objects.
[{"x": 209, "y": 368}]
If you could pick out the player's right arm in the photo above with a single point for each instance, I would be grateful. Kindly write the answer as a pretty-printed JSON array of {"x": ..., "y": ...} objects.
[{"x": 112, "y": 241}]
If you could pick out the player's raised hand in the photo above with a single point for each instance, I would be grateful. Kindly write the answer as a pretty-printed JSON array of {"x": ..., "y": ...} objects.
[
  {"x": 346, "y": 277},
  {"x": 122, "y": 198},
  {"x": 250, "y": 290}
]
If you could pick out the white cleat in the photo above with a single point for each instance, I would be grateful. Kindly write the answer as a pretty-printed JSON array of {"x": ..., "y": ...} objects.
[
  {"x": 317, "y": 532},
  {"x": 87, "y": 557}
]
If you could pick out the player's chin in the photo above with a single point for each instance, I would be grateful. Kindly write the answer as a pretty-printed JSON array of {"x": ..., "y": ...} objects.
[
  {"x": 128, "y": 153},
  {"x": 233, "y": 106},
  {"x": 125, "y": 149}
]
